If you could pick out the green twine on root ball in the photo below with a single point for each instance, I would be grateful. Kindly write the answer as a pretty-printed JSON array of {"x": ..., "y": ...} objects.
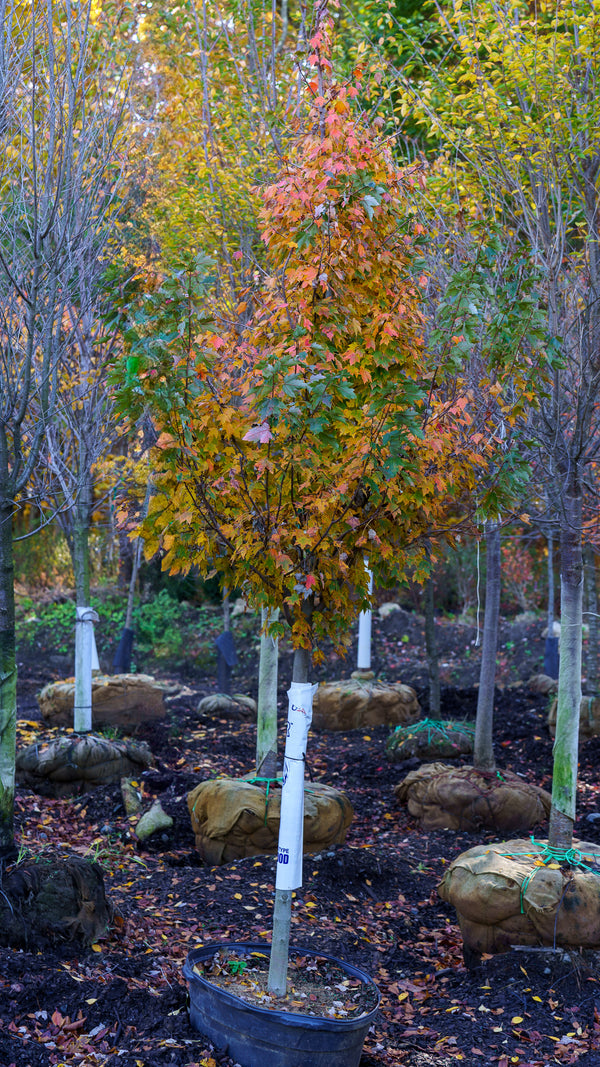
[
  {"x": 443, "y": 727},
  {"x": 570, "y": 857}
]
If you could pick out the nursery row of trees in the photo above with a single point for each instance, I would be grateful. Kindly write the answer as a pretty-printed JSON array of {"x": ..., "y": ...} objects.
[{"x": 339, "y": 270}]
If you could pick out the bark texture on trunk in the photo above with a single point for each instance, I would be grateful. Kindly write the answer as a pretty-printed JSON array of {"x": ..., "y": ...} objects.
[
  {"x": 551, "y": 649},
  {"x": 82, "y": 712},
  {"x": 591, "y": 658},
  {"x": 433, "y": 665},
  {"x": 282, "y": 912},
  {"x": 550, "y": 611},
  {"x": 135, "y": 567},
  {"x": 81, "y": 549},
  {"x": 8, "y": 681},
  {"x": 566, "y": 742},
  {"x": 483, "y": 755},
  {"x": 136, "y": 562},
  {"x": 266, "y": 726}
]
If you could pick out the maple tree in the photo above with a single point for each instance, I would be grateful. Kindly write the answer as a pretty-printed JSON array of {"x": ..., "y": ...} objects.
[
  {"x": 321, "y": 428},
  {"x": 58, "y": 142},
  {"x": 262, "y": 473},
  {"x": 518, "y": 112}
]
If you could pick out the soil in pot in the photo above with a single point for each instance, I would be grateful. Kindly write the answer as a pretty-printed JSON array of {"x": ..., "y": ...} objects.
[
  {"x": 317, "y": 985},
  {"x": 322, "y": 1021}
]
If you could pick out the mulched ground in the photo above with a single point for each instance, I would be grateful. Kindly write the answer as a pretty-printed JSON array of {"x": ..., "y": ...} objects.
[{"x": 371, "y": 902}]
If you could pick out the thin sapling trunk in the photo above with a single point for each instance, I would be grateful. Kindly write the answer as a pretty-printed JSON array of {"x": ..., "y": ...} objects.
[
  {"x": 226, "y": 655},
  {"x": 591, "y": 658},
  {"x": 8, "y": 682},
  {"x": 135, "y": 569},
  {"x": 483, "y": 755},
  {"x": 550, "y": 608},
  {"x": 266, "y": 726},
  {"x": 289, "y": 855},
  {"x": 551, "y": 647},
  {"x": 122, "y": 657},
  {"x": 433, "y": 666},
  {"x": 85, "y": 615},
  {"x": 566, "y": 742}
]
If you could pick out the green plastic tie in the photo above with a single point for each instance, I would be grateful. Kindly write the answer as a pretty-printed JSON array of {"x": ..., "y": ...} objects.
[
  {"x": 268, "y": 782},
  {"x": 572, "y": 857},
  {"x": 445, "y": 727}
]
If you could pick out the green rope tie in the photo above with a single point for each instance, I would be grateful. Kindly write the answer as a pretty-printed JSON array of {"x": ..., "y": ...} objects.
[
  {"x": 445, "y": 727},
  {"x": 268, "y": 782},
  {"x": 572, "y": 857},
  {"x": 278, "y": 781}
]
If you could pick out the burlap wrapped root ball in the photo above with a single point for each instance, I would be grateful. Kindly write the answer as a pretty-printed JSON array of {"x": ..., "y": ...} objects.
[
  {"x": 430, "y": 739},
  {"x": 71, "y": 765},
  {"x": 355, "y": 703},
  {"x": 516, "y": 893},
  {"x": 589, "y": 717},
  {"x": 120, "y": 700},
  {"x": 461, "y": 798},
  {"x": 233, "y": 818}
]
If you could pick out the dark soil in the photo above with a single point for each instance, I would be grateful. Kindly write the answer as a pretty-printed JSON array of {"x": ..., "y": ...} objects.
[{"x": 371, "y": 902}]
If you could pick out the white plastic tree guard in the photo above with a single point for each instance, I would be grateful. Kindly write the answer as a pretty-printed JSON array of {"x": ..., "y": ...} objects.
[
  {"x": 86, "y": 661},
  {"x": 364, "y": 632}
]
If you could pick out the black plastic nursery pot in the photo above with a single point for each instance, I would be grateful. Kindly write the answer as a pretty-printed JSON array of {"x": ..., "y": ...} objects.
[{"x": 256, "y": 1037}]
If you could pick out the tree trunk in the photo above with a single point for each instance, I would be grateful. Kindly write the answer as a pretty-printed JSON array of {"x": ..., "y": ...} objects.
[
  {"x": 550, "y": 612},
  {"x": 483, "y": 756},
  {"x": 433, "y": 666},
  {"x": 122, "y": 657},
  {"x": 266, "y": 726},
  {"x": 591, "y": 659},
  {"x": 135, "y": 567},
  {"x": 126, "y": 553},
  {"x": 566, "y": 743},
  {"x": 8, "y": 681},
  {"x": 81, "y": 552},
  {"x": 551, "y": 656},
  {"x": 84, "y": 625},
  {"x": 282, "y": 912}
]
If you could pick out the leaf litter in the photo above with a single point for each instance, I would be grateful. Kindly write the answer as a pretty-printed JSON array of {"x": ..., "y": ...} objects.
[{"x": 371, "y": 902}]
